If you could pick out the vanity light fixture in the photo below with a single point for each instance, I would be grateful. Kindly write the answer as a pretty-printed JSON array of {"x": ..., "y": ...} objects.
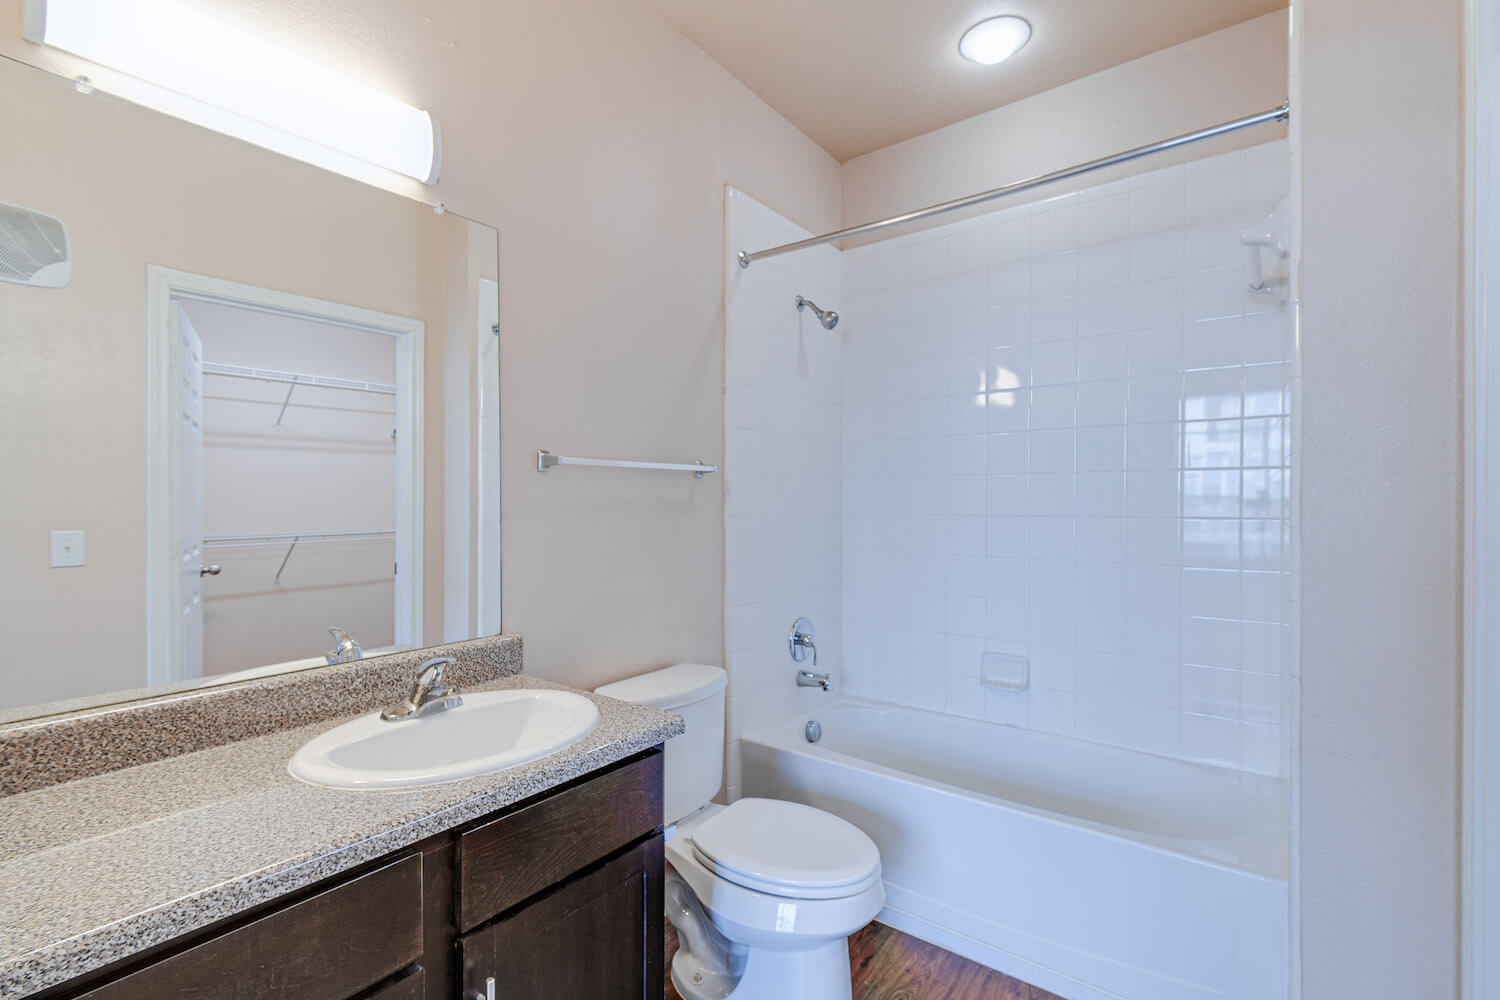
[
  {"x": 994, "y": 39},
  {"x": 242, "y": 84}
]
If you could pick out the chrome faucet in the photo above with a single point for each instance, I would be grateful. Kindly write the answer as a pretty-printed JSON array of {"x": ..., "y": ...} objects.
[
  {"x": 428, "y": 693},
  {"x": 800, "y": 641},
  {"x": 808, "y": 679},
  {"x": 345, "y": 648}
]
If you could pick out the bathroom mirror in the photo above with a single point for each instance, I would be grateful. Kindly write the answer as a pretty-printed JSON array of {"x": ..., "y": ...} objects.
[{"x": 246, "y": 401}]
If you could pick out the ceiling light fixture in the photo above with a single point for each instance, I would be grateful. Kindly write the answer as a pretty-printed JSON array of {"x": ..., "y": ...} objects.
[
  {"x": 994, "y": 39},
  {"x": 250, "y": 88}
]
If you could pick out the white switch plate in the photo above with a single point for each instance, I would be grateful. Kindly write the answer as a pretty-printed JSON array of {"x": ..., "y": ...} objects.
[{"x": 67, "y": 548}]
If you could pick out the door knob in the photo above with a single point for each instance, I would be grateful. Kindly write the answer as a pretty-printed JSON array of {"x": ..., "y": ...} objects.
[
  {"x": 212, "y": 569},
  {"x": 489, "y": 991}
]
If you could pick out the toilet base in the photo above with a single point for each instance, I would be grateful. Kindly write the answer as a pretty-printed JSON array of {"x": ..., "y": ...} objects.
[
  {"x": 820, "y": 973},
  {"x": 817, "y": 973}
]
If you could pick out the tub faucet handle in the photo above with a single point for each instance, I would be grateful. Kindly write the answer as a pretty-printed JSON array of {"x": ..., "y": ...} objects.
[{"x": 800, "y": 641}]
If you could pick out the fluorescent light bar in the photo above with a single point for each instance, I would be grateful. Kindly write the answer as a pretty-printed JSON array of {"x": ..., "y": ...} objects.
[{"x": 176, "y": 47}]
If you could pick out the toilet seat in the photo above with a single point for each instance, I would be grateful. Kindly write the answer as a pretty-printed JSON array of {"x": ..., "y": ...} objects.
[{"x": 786, "y": 849}]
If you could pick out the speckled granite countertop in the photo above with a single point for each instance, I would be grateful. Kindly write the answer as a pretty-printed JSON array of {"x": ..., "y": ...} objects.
[{"x": 98, "y": 869}]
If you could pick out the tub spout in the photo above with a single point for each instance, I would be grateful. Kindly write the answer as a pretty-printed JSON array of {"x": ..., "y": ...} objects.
[{"x": 808, "y": 679}]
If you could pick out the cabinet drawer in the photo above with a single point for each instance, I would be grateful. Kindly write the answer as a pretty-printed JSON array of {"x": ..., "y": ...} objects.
[
  {"x": 515, "y": 857},
  {"x": 328, "y": 947}
]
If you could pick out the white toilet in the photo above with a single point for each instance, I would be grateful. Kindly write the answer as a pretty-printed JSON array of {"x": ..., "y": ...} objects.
[{"x": 764, "y": 894}]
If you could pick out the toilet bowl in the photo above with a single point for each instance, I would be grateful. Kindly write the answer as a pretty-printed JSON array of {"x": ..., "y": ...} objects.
[
  {"x": 763, "y": 893},
  {"x": 782, "y": 886}
]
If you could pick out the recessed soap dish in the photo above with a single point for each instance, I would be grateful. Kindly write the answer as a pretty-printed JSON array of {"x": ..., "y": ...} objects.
[{"x": 1005, "y": 671}]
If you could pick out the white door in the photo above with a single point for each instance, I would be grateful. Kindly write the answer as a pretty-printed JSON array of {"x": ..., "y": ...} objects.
[{"x": 188, "y": 449}]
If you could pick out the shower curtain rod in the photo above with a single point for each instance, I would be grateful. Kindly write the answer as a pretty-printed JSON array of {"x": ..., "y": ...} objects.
[{"x": 1280, "y": 114}]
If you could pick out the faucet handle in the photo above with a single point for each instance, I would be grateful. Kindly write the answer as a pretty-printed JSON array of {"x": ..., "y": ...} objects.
[
  {"x": 800, "y": 640},
  {"x": 427, "y": 693},
  {"x": 430, "y": 674}
]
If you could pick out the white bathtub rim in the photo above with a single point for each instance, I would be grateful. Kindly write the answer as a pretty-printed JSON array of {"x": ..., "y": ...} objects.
[
  {"x": 779, "y": 736},
  {"x": 855, "y": 701}
]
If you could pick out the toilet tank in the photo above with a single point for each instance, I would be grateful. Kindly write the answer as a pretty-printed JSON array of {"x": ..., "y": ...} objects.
[{"x": 693, "y": 769}]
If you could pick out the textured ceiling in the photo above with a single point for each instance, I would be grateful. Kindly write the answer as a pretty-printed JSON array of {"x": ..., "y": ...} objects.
[{"x": 857, "y": 75}]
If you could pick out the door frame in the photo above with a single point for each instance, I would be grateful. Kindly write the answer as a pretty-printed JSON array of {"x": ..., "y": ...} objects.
[
  {"x": 1480, "y": 881},
  {"x": 165, "y": 289},
  {"x": 488, "y": 584}
]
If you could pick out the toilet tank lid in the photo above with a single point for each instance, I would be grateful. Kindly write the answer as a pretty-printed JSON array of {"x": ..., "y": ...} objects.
[{"x": 669, "y": 687}]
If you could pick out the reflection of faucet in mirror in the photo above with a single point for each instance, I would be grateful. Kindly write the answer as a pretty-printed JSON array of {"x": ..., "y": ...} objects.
[
  {"x": 428, "y": 693},
  {"x": 345, "y": 647}
]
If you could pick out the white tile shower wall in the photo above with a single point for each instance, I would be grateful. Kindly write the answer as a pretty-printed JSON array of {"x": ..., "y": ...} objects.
[
  {"x": 1065, "y": 436},
  {"x": 782, "y": 484}
]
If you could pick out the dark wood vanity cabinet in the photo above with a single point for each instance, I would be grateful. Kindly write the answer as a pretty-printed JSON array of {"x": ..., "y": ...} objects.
[{"x": 557, "y": 897}]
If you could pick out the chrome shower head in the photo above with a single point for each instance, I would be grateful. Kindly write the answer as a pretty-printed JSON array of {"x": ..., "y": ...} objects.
[{"x": 827, "y": 317}]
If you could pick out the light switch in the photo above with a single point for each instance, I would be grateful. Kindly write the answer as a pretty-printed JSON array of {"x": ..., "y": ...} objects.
[{"x": 67, "y": 548}]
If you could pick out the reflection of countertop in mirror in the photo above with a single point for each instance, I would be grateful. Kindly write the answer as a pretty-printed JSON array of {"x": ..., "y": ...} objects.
[{"x": 97, "y": 869}]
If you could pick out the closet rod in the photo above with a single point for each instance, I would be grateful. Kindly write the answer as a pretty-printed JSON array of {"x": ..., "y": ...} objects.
[{"x": 1280, "y": 114}]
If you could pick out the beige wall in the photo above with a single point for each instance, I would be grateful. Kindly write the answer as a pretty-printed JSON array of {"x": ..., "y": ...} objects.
[
  {"x": 605, "y": 171},
  {"x": 1230, "y": 73},
  {"x": 1381, "y": 284},
  {"x": 598, "y": 141}
]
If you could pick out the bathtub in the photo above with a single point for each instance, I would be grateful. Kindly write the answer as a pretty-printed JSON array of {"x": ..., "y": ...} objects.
[{"x": 1092, "y": 872}]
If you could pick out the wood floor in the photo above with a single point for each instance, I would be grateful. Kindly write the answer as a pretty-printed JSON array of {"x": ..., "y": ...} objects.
[{"x": 889, "y": 965}]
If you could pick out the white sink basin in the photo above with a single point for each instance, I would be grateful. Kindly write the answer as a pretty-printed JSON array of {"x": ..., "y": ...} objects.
[{"x": 489, "y": 732}]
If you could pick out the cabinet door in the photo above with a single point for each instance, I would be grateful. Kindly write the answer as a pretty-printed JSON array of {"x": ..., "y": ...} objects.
[{"x": 598, "y": 937}]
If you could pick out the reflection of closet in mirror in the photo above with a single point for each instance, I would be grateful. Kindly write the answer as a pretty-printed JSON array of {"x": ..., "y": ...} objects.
[
  {"x": 314, "y": 464},
  {"x": 291, "y": 487}
]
